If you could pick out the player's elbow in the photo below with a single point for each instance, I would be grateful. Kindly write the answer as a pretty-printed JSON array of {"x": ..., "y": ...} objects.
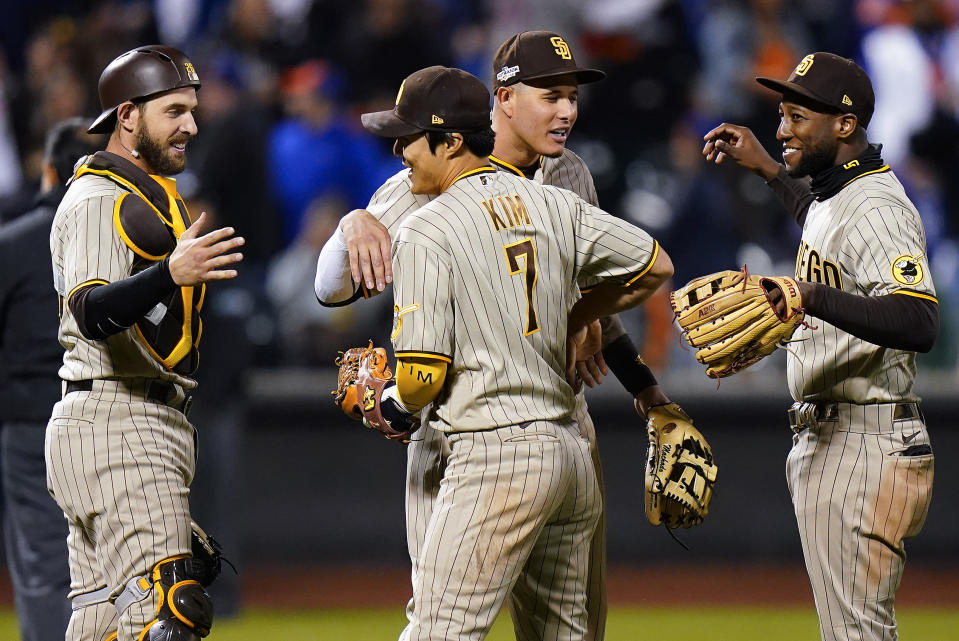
[
  {"x": 332, "y": 292},
  {"x": 661, "y": 270},
  {"x": 925, "y": 340}
]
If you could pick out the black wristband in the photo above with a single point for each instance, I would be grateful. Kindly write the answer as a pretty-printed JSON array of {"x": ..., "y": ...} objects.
[{"x": 623, "y": 358}]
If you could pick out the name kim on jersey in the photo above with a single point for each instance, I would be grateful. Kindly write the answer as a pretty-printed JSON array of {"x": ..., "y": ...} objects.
[{"x": 513, "y": 210}]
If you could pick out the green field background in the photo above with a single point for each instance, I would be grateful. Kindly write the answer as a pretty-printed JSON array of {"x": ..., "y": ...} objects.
[{"x": 625, "y": 624}]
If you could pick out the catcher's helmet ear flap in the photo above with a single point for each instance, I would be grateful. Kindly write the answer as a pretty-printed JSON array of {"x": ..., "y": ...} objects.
[{"x": 141, "y": 73}]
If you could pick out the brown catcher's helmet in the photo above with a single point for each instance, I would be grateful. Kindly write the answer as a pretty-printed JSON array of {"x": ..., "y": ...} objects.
[{"x": 141, "y": 73}]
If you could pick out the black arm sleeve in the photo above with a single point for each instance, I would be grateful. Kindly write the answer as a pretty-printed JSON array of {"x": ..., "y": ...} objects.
[
  {"x": 895, "y": 321},
  {"x": 793, "y": 193},
  {"x": 104, "y": 310},
  {"x": 623, "y": 358}
]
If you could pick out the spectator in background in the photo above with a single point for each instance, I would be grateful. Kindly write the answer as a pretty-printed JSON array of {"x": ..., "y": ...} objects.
[
  {"x": 30, "y": 355},
  {"x": 316, "y": 152},
  {"x": 311, "y": 334},
  {"x": 386, "y": 41},
  {"x": 9, "y": 160},
  {"x": 229, "y": 160}
]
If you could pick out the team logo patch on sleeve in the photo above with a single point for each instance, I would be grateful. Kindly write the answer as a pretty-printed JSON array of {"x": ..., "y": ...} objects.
[
  {"x": 907, "y": 269},
  {"x": 398, "y": 318}
]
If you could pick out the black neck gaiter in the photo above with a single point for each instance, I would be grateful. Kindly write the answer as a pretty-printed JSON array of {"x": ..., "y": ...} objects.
[{"x": 826, "y": 183}]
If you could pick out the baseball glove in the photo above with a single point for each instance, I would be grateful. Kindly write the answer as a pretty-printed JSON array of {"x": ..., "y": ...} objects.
[
  {"x": 680, "y": 472},
  {"x": 734, "y": 319},
  {"x": 363, "y": 378}
]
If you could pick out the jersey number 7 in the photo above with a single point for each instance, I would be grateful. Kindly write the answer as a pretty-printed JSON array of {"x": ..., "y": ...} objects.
[{"x": 527, "y": 251}]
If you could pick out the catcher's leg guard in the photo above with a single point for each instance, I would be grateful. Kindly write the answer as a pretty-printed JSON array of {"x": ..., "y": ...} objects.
[{"x": 185, "y": 610}]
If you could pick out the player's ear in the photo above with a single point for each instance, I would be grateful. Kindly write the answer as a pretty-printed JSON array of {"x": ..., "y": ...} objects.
[
  {"x": 847, "y": 125},
  {"x": 506, "y": 98},
  {"x": 453, "y": 143},
  {"x": 128, "y": 114}
]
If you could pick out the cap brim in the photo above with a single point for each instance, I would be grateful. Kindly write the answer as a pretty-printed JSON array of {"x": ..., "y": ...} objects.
[
  {"x": 790, "y": 88},
  {"x": 583, "y": 76},
  {"x": 104, "y": 123},
  {"x": 388, "y": 124}
]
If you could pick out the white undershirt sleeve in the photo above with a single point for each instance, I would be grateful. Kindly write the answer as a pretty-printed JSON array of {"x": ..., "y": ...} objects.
[{"x": 334, "y": 282}]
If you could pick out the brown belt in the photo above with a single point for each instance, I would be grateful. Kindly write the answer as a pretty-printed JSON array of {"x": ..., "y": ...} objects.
[
  {"x": 803, "y": 415},
  {"x": 156, "y": 391}
]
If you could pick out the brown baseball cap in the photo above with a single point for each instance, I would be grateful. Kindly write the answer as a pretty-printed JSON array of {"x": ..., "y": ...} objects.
[
  {"x": 434, "y": 99},
  {"x": 141, "y": 73},
  {"x": 832, "y": 83},
  {"x": 532, "y": 55}
]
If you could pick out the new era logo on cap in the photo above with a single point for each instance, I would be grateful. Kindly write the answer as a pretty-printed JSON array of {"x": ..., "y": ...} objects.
[{"x": 434, "y": 99}]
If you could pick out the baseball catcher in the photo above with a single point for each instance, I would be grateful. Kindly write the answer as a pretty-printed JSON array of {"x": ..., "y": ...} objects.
[
  {"x": 366, "y": 391},
  {"x": 680, "y": 471},
  {"x": 735, "y": 319}
]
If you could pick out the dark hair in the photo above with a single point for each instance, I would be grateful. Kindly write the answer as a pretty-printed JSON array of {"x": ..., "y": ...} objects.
[
  {"x": 68, "y": 141},
  {"x": 480, "y": 143}
]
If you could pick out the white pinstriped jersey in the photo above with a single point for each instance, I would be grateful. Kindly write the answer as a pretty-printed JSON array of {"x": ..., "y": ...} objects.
[
  {"x": 867, "y": 240},
  {"x": 86, "y": 247},
  {"x": 485, "y": 275}
]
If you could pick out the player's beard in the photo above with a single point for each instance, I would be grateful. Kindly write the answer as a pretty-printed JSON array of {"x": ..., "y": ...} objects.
[
  {"x": 816, "y": 159},
  {"x": 157, "y": 154}
]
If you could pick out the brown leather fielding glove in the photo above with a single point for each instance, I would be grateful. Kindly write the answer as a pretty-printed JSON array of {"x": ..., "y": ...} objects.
[{"x": 363, "y": 377}]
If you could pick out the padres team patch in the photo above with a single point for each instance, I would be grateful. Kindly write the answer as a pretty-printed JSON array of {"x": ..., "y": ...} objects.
[
  {"x": 907, "y": 269},
  {"x": 398, "y": 317}
]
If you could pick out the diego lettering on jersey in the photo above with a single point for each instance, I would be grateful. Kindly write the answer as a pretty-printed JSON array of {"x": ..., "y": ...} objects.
[
  {"x": 813, "y": 268},
  {"x": 513, "y": 209}
]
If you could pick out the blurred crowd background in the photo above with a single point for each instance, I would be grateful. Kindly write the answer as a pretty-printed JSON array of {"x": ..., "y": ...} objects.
[{"x": 281, "y": 156}]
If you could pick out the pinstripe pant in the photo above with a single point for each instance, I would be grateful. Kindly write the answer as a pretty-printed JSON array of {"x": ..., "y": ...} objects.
[
  {"x": 517, "y": 505},
  {"x": 856, "y": 498},
  {"x": 120, "y": 468},
  {"x": 427, "y": 454}
]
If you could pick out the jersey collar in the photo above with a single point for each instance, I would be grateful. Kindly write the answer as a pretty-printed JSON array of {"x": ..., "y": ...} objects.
[
  {"x": 473, "y": 172},
  {"x": 505, "y": 166}
]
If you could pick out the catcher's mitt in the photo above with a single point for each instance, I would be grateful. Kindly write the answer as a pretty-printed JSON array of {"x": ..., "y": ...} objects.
[
  {"x": 733, "y": 319},
  {"x": 363, "y": 377},
  {"x": 680, "y": 472}
]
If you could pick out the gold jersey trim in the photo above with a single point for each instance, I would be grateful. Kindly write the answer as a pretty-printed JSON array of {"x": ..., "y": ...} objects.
[
  {"x": 436, "y": 355},
  {"x": 512, "y": 168},
  {"x": 86, "y": 283},
  {"x": 882, "y": 169},
  {"x": 906, "y": 292},
  {"x": 473, "y": 172},
  {"x": 648, "y": 267}
]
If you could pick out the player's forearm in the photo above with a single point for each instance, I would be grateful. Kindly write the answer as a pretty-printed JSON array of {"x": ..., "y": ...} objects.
[
  {"x": 896, "y": 321},
  {"x": 607, "y": 299},
  {"x": 334, "y": 281},
  {"x": 104, "y": 310},
  {"x": 792, "y": 192},
  {"x": 624, "y": 360}
]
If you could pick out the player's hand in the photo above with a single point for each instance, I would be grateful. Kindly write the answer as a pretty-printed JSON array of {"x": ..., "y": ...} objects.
[
  {"x": 740, "y": 144},
  {"x": 198, "y": 259},
  {"x": 368, "y": 242},
  {"x": 585, "y": 362},
  {"x": 590, "y": 364}
]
